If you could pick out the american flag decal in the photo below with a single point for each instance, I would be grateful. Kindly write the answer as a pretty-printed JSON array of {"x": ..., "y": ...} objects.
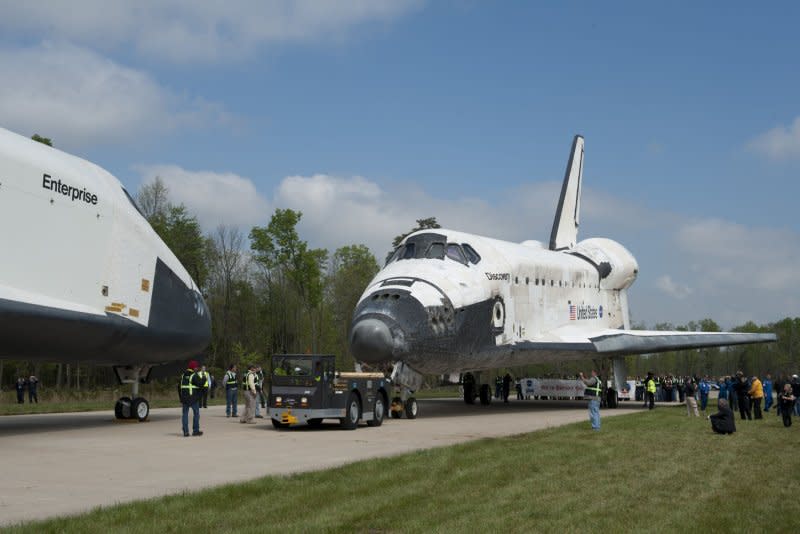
[{"x": 572, "y": 312}]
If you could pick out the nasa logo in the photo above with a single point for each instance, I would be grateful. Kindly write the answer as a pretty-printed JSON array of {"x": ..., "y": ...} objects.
[{"x": 498, "y": 276}]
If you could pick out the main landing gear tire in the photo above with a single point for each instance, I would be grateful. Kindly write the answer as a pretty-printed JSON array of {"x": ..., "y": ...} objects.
[
  {"x": 122, "y": 409},
  {"x": 412, "y": 408},
  {"x": 378, "y": 412},
  {"x": 612, "y": 400},
  {"x": 397, "y": 414},
  {"x": 469, "y": 393},
  {"x": 140, "y": 409},
  {"x": 352, "y": 413},
  {"x": 486, "y": 394}
]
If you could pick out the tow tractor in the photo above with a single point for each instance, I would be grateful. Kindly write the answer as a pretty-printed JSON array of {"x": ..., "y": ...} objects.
[{"x": 307, "y": 389}]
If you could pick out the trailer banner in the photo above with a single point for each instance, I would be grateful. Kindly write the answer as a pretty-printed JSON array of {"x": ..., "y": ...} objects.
[{"x": 552, "y": 387}]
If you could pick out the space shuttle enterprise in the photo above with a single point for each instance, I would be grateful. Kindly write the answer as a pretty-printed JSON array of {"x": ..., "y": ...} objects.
[
  {"x": 84, "y": 277},
  {"x": 448, "y": 302}
]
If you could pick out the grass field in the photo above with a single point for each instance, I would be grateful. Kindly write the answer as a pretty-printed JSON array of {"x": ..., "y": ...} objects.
[{"x": 647, "y": 472}]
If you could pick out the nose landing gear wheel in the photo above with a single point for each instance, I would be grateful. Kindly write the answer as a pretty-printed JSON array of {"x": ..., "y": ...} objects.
[
  {"x": 122, "y": 409},
  {"x": 140, "y": 409}
]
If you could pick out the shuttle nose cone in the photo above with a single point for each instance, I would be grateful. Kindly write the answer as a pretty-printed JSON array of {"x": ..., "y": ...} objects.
[{"x": 371, "y": 341}]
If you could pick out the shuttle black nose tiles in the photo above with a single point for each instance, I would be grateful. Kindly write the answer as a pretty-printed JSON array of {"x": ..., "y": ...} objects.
[
  {"x": 371, "y": 341},
  {"x": 178, "y": 311},
  {"x": 385, "y": 324}
]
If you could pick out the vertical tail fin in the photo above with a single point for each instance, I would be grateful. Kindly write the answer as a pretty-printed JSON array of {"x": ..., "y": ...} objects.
[{"x": 565, "y": 225}]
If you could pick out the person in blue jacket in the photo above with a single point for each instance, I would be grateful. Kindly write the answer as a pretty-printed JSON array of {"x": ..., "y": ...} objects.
[
  {"x": 723, "y": 390},
  {"x": 704, "y": 388},
  {"x": 767, "y": 384}
]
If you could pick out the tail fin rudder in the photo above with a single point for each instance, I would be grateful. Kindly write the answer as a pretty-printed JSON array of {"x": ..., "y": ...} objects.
[{"x": 565, "y": 225}]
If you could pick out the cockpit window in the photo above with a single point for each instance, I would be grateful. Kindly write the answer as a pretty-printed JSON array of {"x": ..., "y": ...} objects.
[
  {"x": 435, "y": 251},
  {"x": 472, "y": 256},
  {"x": 395, "y": 254},
  {"x": 454, "y": 253},
  {"x": 429, "y": 246}
]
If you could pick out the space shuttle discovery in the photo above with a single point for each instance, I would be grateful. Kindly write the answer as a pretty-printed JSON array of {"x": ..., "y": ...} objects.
[
  {"x": 449, "y": 302},
  {"x": 83, "y": 276}
]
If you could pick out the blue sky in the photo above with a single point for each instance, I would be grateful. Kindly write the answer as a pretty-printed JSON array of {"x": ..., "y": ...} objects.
[{"x": 367, "y": 115}]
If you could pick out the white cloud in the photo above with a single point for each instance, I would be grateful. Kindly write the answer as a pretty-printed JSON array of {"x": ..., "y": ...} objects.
[
  {"x": 78, "y": 97},
  {"x": 672, "y": 288},
  {"x": 186, "y": 30},
  {"x": 782, "y": 142},
  {"x": 342, "y": 211},
  {"x": 727, "y": 255},
  {"x": 215, "y": 198}
]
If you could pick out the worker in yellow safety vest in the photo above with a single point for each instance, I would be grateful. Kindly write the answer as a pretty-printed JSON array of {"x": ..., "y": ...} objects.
[
  {"x": 260, "y": 399},
  {"x": 231, "y": 392},
  {"x": 204, "y": 376},
  {"x": 250, "y": 395},
  {"x": 190, "y": 386},
  {"x": 592, "y": 391},
  {"x": 650, "y": 390}
]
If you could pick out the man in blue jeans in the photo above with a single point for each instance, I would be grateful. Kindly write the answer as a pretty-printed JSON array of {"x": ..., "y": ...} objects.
[
  {"x": 231, "y": 392},
  {"x": 189, "y": 388},
  {"x": 592, "y": 392}
]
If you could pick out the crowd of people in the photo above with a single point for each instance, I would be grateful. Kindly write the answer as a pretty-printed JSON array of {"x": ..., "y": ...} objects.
[
  {"x": 197, "y": 384},
  {"x": 736, "y": 392}
]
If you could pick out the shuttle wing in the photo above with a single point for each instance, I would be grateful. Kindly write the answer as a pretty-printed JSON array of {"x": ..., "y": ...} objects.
[
  {"x": 648, "y": 341},
  {"x": 622, "y": 342}
]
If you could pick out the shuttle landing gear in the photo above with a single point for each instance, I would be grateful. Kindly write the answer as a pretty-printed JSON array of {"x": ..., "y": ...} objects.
[
  {"x": 472, "y": 390},
  {"x": 407, "y": 381},
  {"x": 136, "y": 407},
  {"x": 469, "y": 388},
  {"x": 486, "y": 394}
]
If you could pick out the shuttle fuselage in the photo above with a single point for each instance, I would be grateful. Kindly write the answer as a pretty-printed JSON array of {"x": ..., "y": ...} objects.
[
  {"x": 449, "y": 302},
  {"x": 83, "y": 276}
]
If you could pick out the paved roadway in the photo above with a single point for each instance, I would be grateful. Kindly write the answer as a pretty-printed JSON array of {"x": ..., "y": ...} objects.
[{"x": 58, "y": 464}]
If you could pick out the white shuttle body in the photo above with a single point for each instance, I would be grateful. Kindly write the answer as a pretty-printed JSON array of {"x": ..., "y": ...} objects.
[
  {"x": 83, "y": 276},
  {"x": 452, "y": 302}
]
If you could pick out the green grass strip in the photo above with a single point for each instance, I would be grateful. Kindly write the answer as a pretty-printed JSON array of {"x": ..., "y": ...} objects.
[{"x": 656, "y": 471}]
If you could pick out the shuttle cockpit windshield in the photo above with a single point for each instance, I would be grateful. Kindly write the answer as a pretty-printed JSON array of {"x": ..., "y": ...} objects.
[{"x": 434, "y": 246}]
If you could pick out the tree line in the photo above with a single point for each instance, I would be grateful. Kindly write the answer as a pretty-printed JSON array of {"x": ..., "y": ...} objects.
[{"x": 269, "y": 292}]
